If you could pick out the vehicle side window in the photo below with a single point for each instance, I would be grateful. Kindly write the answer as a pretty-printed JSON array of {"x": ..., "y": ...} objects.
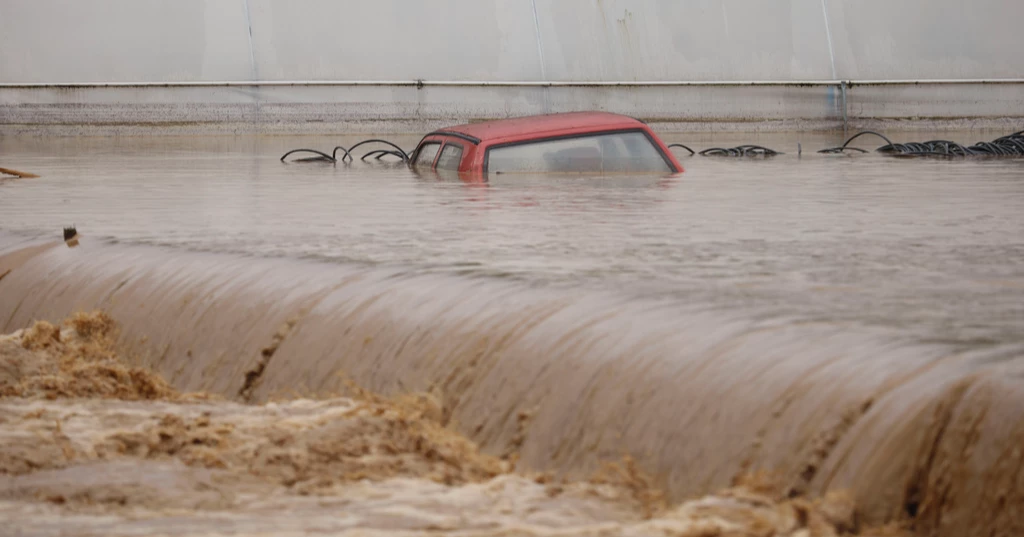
[
  {"x": 451, "y": 156},
  {"x": 426, "y": 154},
  {"x": 604, "y": 152}
]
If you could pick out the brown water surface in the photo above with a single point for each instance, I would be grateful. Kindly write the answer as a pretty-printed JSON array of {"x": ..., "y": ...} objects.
[
  {"x": 849, "y": 322},
  {"x": 933, "y": 248}
]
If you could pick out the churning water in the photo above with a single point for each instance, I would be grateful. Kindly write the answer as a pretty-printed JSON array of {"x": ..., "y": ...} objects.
[{"x": 846, "y": 321}]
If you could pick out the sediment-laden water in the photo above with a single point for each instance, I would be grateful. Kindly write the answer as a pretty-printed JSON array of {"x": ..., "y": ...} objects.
[
  {"x": 848, "y": 324},
  {"x": 93, "y": 445}
]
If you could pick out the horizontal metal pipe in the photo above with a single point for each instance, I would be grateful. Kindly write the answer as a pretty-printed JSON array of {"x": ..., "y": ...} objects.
[{"x": 527, "y": 83}]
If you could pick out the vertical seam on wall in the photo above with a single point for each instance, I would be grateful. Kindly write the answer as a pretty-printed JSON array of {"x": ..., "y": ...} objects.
[
  {"x": 252, "y": 51},
  {"x": 832, "y": 59},
  {"x": 252, "y": 61},
  {"x": 828, "y": 35},
  {"x": 540, "y": 45}
]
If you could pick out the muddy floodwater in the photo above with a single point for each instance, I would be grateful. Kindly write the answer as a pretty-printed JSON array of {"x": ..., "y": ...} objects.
[
  {"x": 852, "y": 325},
  {"x": 95, "y": 446},
  {"x": 934, "y": 248}
]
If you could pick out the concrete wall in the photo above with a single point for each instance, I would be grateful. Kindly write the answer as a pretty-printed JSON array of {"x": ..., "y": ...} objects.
[{"x": 51, "y": 42}]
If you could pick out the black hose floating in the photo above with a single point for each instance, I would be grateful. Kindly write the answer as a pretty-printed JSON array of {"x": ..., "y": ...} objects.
[
  {"x": 401, "y": 152},
  {"x": 378, "y": 154},
  {"x": 739, "y": 151},
  {"x": 335, "y": 152},
  {"x": 1011, "y": 145},
  {"x": 381, "y": 153},
  {"x": 324, "y": 157},
  {"x": 844, "y": 147},
  {"x": 692, "y": 152},
  {"x": 747, "y": 150}
]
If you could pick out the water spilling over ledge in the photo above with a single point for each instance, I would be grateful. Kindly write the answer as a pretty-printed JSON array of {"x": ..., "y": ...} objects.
[
  {"x": 569, "y": 378},
  {"x": 94, "y": 442}
]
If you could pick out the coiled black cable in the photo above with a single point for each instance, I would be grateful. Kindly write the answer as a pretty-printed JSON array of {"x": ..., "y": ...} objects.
[
  {"x": 399, "y": 150},
  {"x": 321, "y": 156},
  {"x": 381, "y": 153},
  {"x": 347, "y": 153},
  {"x": 1011, "y": 145},
  {"x": 692, "y": 152},
  {"x": 844, "y": 147},
  {"x": 739, "y": 151}
]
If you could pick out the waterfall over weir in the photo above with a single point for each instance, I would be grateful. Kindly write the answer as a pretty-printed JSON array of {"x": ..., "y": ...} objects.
[{"x": 569, "y": 378}]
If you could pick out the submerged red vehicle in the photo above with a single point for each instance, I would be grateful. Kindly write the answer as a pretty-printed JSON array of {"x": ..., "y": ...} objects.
[{"x": 575, "y": 142}]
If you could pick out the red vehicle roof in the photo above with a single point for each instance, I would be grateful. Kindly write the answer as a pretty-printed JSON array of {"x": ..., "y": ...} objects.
[{"x": 535, "y": 126}]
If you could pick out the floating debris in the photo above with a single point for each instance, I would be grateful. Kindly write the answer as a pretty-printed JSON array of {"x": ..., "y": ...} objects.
[{"x": 16, "y": 173}]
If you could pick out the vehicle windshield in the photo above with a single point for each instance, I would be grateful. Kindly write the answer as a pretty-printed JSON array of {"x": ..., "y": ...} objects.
[{"x": 615, "y": 152}]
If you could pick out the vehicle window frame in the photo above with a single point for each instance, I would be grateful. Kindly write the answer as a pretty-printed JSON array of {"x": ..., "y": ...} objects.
[
  {"x": 441, "y": 136},
  {"x": 440, "y": 145},
  {"x": 657, "y": 147},
  {"x": 462, "y": 155}
]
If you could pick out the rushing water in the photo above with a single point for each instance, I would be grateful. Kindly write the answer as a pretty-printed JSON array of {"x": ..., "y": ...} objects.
[
  {"x": 932, "y": 248},
  {"x": 846, "y": 321}
]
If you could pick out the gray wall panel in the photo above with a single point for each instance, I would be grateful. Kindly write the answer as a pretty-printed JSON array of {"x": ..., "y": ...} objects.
[
  {"x": 123, "y": 40},
  {"x": 586, "y": 40},
  {"x": 934, "y": 39}
]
